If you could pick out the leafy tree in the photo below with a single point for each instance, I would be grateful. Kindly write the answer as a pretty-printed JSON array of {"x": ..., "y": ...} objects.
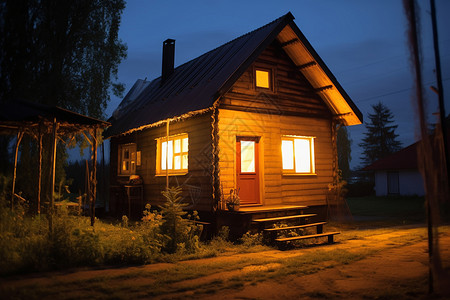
[
  {"x": 344, "y": 151},
  {"x": 63, "y": 53},
  {"x": 380, "y": 137}
]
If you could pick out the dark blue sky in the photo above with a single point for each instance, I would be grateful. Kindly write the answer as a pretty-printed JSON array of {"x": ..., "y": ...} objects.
[{"x": 362, "y": 42}]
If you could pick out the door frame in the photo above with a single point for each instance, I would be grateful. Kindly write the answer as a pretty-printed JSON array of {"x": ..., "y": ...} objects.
[{"x": 257, "y": 173}]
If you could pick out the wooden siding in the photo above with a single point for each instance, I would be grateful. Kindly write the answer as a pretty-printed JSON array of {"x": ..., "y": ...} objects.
[
  {"x": 291, "y": 107},
  {"x": 197, "y": 183},
  {"x": 291, "y": 93},
  {"x": 277, "y": 188}
]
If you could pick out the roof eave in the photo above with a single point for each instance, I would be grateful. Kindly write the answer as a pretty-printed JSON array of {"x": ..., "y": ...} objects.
[
  {"x": 182, "y": 117},
  {"x": 318, "y": 74}
]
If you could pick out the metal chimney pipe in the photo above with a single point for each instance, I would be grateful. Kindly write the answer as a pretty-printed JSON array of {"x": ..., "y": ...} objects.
[{"x": 168, "y": 58}]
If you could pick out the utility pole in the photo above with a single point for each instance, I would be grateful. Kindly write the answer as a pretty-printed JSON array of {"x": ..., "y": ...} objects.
[{"x": 440, "y": 88}]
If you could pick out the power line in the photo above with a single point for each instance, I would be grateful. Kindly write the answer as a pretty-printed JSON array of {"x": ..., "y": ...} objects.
[
  {"x": 395, "y": 92},
  {"x": 386, "y": 59}
]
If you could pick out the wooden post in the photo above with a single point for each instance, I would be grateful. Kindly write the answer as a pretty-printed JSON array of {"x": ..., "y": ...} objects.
[
  {"x": 87, "y": 187},
  {"x": 19, "y": 138},
  {"x": 52, "y": 190},
  {"x": 410, "y": 10},
  {"x": 94, "y": 175},
  {"x": 103, "y": 185},
  {"x": 39, "y": 172},
  {"x": 440, "y": 90}
]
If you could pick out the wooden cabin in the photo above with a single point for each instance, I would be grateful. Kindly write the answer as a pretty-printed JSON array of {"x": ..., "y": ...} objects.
[{"x": 257, "y": 114}]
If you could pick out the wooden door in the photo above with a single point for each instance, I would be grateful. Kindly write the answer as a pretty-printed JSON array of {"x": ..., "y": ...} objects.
[
  {"x": 393, "y": 183},
  {"x": 247, "y": 169}
]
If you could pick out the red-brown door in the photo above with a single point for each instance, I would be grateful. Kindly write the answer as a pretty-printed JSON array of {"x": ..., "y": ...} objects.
[{"x": 247, "y": 169}]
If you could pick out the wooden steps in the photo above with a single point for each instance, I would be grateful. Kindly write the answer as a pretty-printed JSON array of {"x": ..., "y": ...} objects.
[
  {"x": 277, "y": 219},
  {"x": 330, "y": 236},
  {"x": 296, "y": 223},
  {"x": 319, "y": 226}
]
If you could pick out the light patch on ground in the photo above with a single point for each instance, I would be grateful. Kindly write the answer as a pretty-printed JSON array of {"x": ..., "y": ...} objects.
[{"x": 261, "y": 268}]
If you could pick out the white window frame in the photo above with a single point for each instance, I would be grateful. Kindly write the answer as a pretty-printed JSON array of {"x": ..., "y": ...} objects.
[
  {"x": 127, "y": 164},
  {"x": 179, "y": 156},
  {"x": 295, "y": 167}
]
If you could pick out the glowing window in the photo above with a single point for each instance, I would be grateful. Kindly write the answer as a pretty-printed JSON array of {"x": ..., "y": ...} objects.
[
  {"x": 247, "y": 156},
  {"x": 173, "y": 154},
  {"x": 298, "y": 155},
  {"x": 127, "y": 159},
  {"x": 262, "y": 79}
]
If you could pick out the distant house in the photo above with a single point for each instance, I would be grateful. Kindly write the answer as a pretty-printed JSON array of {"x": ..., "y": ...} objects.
[
  {"x": 398, "y": 173},
  {"x": 257, "y": 114}
]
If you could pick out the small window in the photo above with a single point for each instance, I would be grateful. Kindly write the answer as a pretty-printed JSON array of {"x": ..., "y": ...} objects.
[
  {"x": 263, "y": 79},
  {"x": 173, "y": 154},
  {"x": 298, "y": 155},
  {"x": 247, "y": 156},
  {"x": 127, "y": 159}
]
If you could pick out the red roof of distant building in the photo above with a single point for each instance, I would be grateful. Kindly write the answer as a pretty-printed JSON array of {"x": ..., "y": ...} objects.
[{"x": 401, "y": 160}]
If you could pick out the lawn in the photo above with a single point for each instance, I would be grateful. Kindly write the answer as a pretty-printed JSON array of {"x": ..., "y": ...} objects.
[
  {"x": 215, "y": 267},
  {"x": 392, "y": 261},
  {"x": 396, "y": 209}
]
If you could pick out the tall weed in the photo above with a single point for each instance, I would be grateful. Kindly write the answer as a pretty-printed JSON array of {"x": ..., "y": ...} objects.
[{"x": 26, "y": 244}]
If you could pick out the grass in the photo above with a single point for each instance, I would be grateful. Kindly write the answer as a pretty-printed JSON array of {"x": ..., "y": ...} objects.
[
  {"x": 393, "y": 208},
  {"x": 228, "y": 271},
  {"x": 181, "y": 276}
]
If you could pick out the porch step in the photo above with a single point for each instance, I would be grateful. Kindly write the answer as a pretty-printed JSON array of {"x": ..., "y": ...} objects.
[
  {"x": 330, "y": 235},
  {"x": 283, "y": 218},
  {"x": 270, "y": 209},
  {"x": 319, "y": 227}
]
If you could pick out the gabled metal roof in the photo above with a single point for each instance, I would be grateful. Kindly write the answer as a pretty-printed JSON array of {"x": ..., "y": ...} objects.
[{"x": 195, "y": 86}]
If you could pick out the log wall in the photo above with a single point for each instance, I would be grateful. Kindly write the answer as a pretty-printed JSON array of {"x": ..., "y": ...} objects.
[
  {"x": 290, "y": 107},
  {"x": 277, "y": 188},
  {"x": 196, "y": 184}
]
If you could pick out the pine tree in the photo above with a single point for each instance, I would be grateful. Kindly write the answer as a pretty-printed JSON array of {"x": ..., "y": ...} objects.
[
  {"x": 344, "y": 151},
  {"x": 380, "y": 137}
]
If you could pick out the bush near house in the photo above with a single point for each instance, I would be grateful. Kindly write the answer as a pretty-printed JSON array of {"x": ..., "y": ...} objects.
[
  {"x": 169, "y": 234},
  {"x": 26, "y": 243}
]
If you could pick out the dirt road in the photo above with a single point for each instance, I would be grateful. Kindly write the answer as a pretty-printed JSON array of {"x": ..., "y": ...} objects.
[{"x": 379, "y": 264}]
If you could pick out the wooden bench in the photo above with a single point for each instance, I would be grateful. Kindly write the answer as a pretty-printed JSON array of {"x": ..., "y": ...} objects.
[
  {"x": 272, "y": 232},
  {"x": 330, "y": 235}
]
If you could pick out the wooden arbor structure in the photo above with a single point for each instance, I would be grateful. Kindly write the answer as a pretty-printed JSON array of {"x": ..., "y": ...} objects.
[{"x": 37, "y": 120}]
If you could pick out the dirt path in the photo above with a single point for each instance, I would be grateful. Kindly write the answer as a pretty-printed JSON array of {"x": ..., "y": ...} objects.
[
  {"x": 394, "y": 267},
  {"x": 398, "y": 273}
]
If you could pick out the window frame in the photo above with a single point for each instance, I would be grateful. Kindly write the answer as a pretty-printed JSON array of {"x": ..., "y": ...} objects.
[
  {"x": 312, "y": 163},
  {"x": 132, "y": 159},
  {"x": 270, "y": 79},
  {"x": 160, "y": 169}
]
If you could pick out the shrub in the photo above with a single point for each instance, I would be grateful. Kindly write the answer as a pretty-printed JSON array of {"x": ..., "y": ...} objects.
[
  {"x": 124, "y": 246},
  {"x": 183, "y": 233},
  {"x": 150, "y": 230},
  {"x": 74, "y": 242},
  {"x": 23, "y": 240},
  {"x": 26, "y": 243},
  {"x": 250, "y": 240}
]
